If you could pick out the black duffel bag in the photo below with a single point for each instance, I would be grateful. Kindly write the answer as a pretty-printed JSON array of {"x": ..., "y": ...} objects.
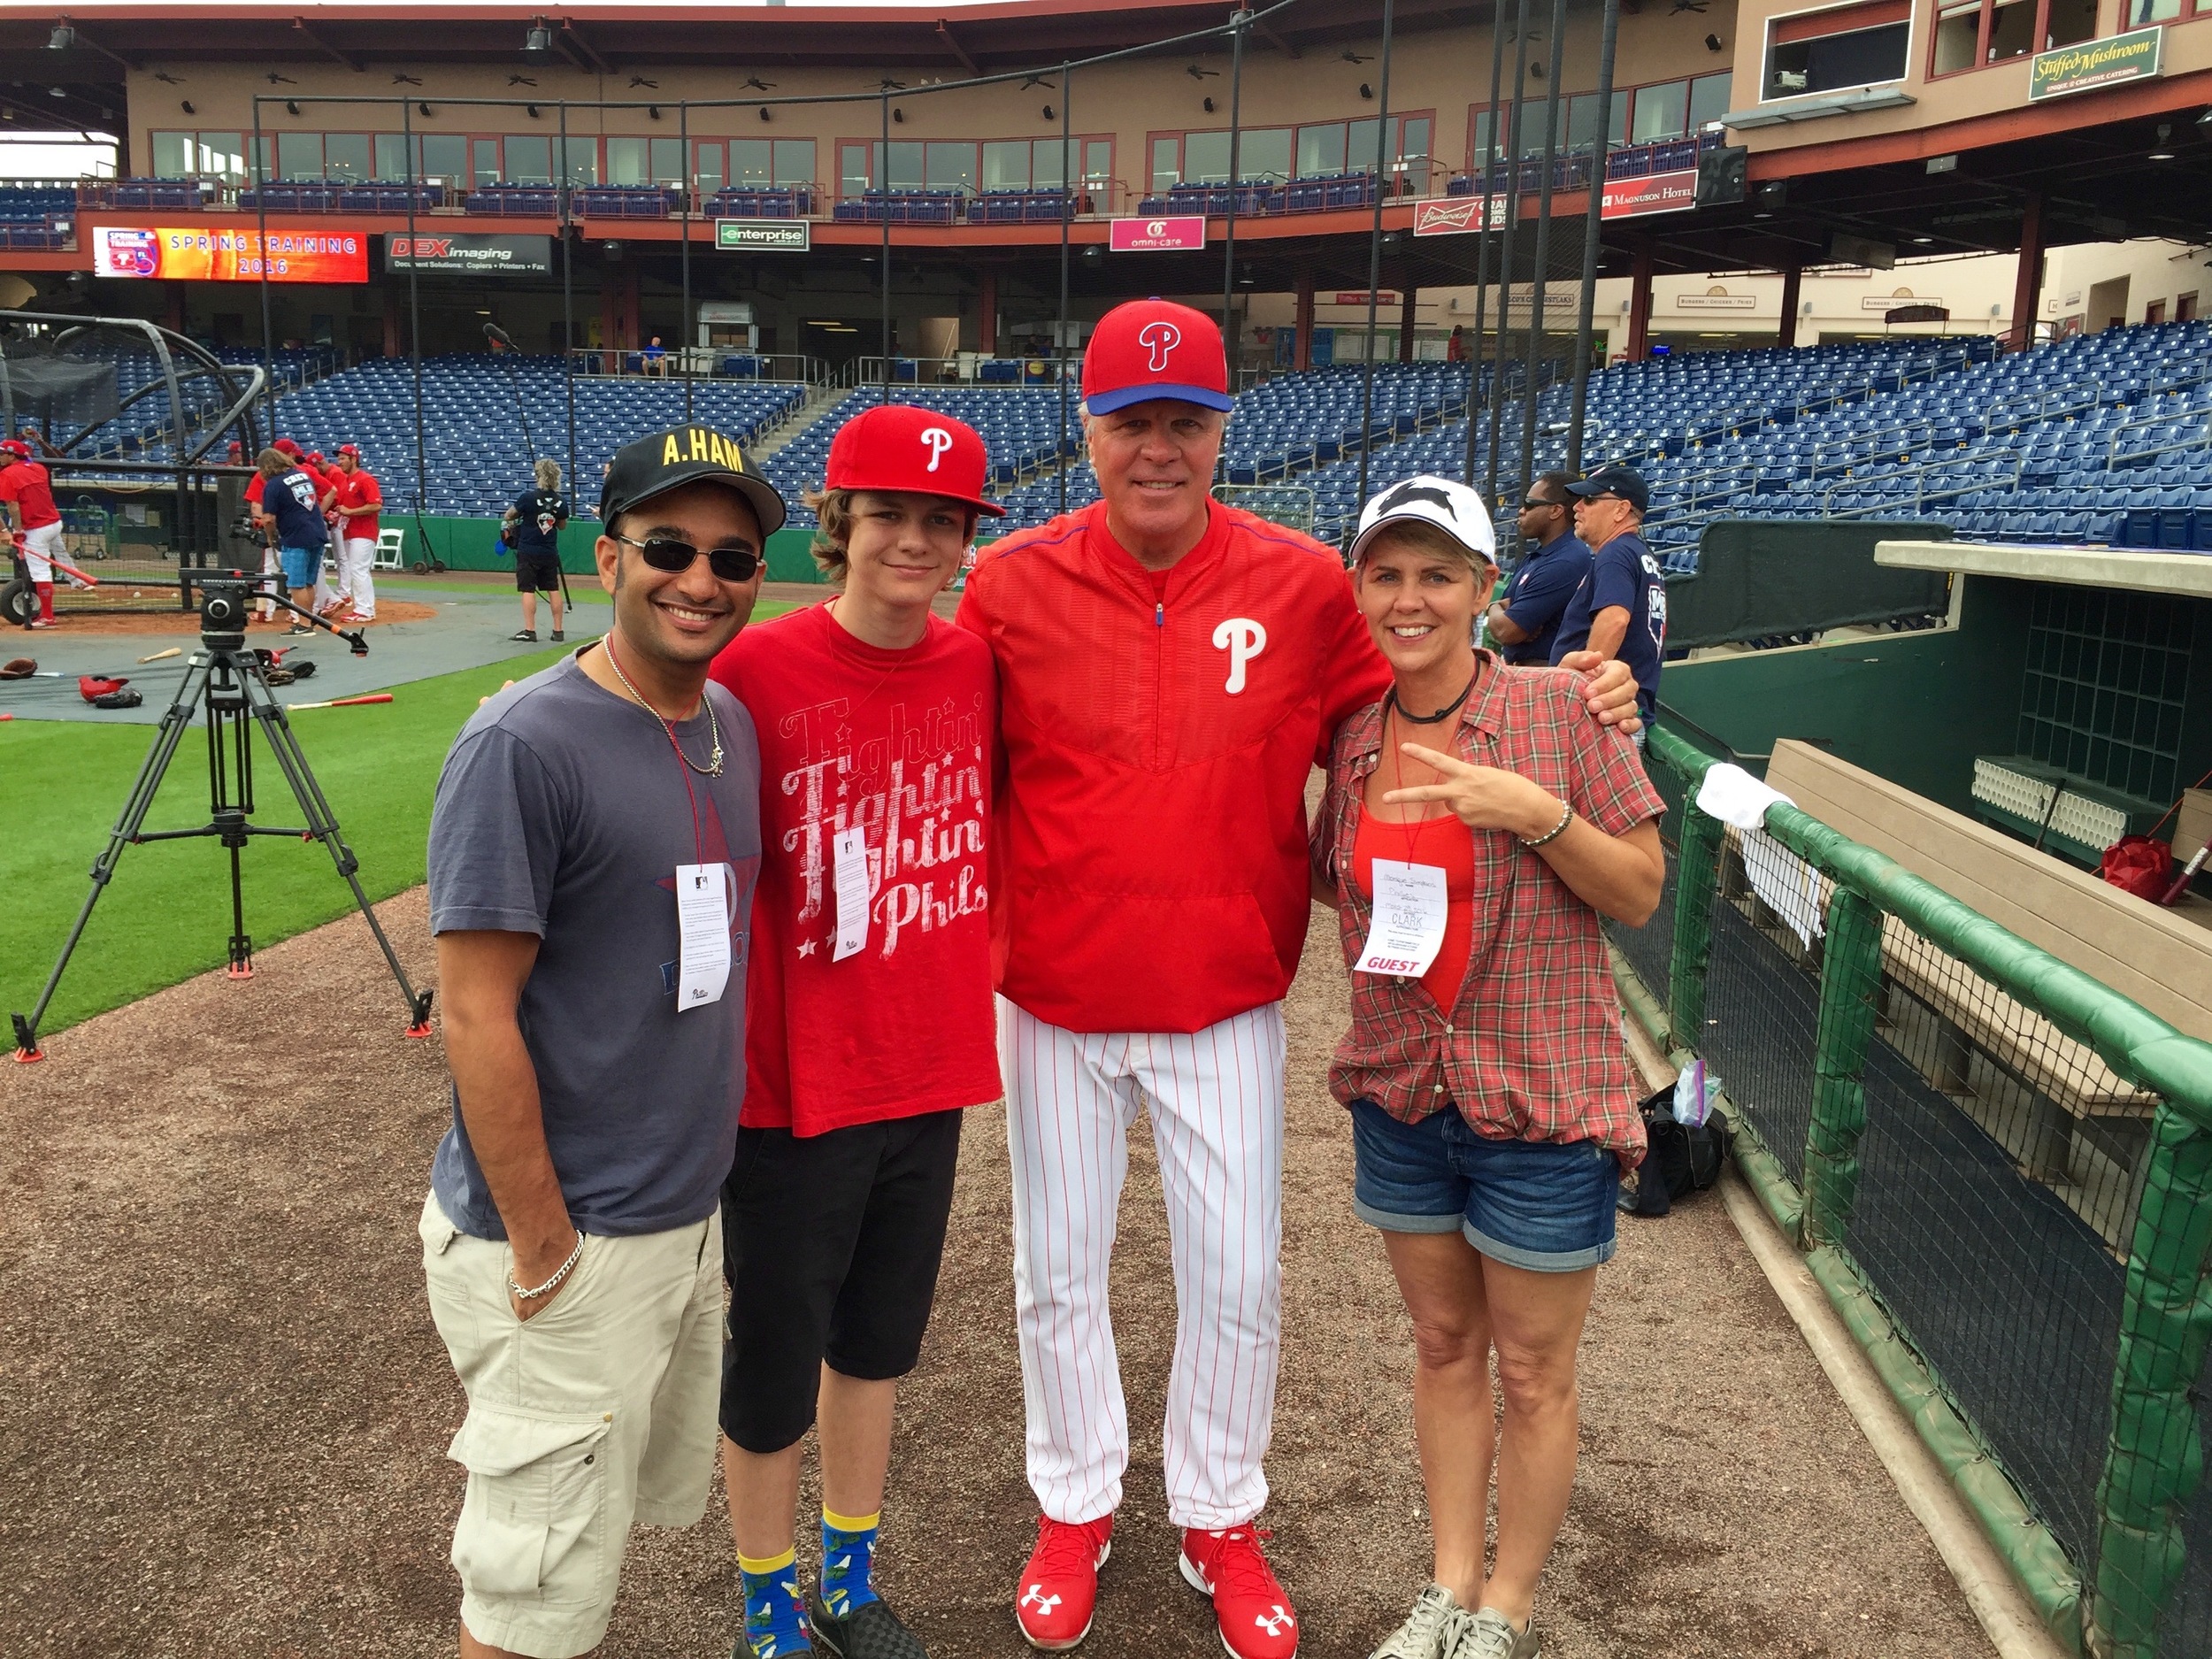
[{"x": 1684, "y": 1158}]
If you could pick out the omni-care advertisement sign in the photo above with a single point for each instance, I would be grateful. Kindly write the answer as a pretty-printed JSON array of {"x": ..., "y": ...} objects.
[
  {"x": 201, "y": 253},
  {"x": 2110, "y": 62},
  {"x": 469, "y": 254}
]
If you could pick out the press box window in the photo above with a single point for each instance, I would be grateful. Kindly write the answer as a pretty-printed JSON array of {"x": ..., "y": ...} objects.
[{"x": 1844, "y": 47}]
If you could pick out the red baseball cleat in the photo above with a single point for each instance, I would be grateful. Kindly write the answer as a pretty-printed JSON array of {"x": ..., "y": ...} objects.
[
  {"x": 1059, "y": 1584},
  {"x": 1253, "y": 1615}
]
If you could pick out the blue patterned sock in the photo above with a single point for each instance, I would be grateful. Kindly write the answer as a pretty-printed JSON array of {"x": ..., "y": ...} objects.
[
  {"x": 775, "y": 1618},
  {"x": 849, "y": 1554}
]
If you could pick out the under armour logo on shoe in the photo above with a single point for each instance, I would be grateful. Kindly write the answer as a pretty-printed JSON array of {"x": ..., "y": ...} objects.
[
  {"x": 1034, "y": 1596},
  {"x": 1276, "y": 1624}
]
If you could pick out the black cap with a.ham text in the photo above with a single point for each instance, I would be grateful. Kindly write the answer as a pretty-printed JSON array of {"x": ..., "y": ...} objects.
[{"x": 647, "y": 467}]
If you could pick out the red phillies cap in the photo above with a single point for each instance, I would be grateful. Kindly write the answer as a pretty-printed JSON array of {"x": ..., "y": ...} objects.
[
  {"x": 286, "y": 446},
  {"x": 1153, "y": 349},
  {"x": 17, "y": 448},
  {"x": 904, "y": 446},
  {"x": 353, "y": 449},
  {"x": 315, "y": 456}
]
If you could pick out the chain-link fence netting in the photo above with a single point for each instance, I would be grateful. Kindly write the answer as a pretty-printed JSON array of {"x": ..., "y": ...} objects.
[
  {"x": 1762, "y": 1012},
  {"x": 2033, "y": 1220},
  {"x": 1650, "y": 948}
]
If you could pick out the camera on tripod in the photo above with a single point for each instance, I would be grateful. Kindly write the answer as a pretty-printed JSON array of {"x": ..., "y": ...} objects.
[{"x": 224, "y": 609}]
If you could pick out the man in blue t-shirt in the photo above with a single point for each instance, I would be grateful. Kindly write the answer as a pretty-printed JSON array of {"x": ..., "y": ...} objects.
[
  {"x": 1527, "y": 621},
  {"x": 1620, "y": 610},
  {"x": 533, "y": 529},
  {"x": 291, "y": 503}
]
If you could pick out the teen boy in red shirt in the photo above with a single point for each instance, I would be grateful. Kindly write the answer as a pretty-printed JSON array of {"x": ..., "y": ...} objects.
[{"x": 877, "y": 725}]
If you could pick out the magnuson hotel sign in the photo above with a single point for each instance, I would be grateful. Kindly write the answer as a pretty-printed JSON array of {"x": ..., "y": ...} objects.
[{"x": 2111, "y": 62}]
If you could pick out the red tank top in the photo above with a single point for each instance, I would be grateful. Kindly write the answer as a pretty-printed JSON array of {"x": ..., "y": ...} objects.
[{"x": 1444, "y": 842}]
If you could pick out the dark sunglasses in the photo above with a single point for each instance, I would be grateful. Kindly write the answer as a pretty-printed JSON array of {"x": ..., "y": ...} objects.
[
  {"x": 666, "y": 553},
  {"x": 1538, "y": 506}
]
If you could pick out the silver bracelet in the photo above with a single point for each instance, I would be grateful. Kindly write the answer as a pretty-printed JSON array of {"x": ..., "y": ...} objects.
[
  {"x": 553, "y": 1283},
  {"x": 1566, "y": 817}
]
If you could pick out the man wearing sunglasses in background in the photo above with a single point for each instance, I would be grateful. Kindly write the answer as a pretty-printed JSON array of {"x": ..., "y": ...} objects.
[
  {"x": 1554, "y": 561},
  {"x": 1620, "y": 610},
  {"x": 593, "y": 851}
]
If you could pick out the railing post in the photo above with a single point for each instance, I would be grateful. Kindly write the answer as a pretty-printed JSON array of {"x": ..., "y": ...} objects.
[
  {"x": 1850, "y": 987},
  {"x": 2154, "y": 1458},
  {"x": 1696, "y": 877}
]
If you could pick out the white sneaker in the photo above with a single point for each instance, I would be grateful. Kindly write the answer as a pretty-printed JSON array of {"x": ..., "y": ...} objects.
[
  {"x": 1489, "y": 1634},
  {"x": 1430, "y": 1630}
]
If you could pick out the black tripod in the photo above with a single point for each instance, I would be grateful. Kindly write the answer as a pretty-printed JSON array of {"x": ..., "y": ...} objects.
[{"x": 225, "y": 678}]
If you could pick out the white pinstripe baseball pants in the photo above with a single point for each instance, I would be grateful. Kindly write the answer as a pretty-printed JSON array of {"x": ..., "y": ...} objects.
[{"x": 1216, "y": 1098}]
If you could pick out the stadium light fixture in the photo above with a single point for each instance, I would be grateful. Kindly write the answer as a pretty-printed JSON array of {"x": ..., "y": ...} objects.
[
  {"x": 186, "y": 105},
  {"x": 291, "y": 106},
  {"x": 55, "y": 92},
  {"x": 763, "y": 113},
  {"x": 537, "y": 45},
  {"x": 530, "y": 110},
  {"x": 2163, "y": 150},
  {"x": 1049, "y": 112},
  {"x": 63, "y": 39}
]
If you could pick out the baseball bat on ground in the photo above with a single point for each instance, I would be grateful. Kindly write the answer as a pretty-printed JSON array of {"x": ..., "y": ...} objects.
[
  {"x": 339, "y": 703},
  {"x": 174, "y": 650}
]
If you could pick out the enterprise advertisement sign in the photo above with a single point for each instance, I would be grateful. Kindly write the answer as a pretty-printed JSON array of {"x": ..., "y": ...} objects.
[{"x": 199, "y": 253}]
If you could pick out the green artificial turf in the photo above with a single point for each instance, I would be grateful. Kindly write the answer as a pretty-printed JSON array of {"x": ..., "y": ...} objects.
[{"x": 167, "y": 915}]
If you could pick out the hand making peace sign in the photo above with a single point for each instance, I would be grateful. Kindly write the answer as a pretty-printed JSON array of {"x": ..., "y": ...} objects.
[{"x": 1481, "y": 797}]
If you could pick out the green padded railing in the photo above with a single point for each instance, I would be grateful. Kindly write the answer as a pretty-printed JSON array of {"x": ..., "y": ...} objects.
[{"x": 2111, "y": 1607}]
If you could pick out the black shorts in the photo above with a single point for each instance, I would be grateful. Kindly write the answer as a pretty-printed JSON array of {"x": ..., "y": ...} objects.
[
  {"x": 830, "y": 1244},
  {"x": 538, "y": 572}
]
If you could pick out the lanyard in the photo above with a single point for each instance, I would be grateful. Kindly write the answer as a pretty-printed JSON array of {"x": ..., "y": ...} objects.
[{"x": 668, "y": 729}]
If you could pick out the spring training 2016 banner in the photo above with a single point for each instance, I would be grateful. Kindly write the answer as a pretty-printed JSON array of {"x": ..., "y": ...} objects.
[{"x": 198, "y": 253}]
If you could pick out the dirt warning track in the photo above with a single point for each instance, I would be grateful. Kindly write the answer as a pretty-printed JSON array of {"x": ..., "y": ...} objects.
[{"x": 227, "y": 1411}]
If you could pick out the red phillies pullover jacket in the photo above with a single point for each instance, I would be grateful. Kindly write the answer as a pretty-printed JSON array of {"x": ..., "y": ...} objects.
[{"x": 1150, "y": 847}]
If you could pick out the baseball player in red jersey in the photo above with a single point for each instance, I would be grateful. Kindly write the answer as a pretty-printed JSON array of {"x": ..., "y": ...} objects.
[
  {"x": 26, "y": 503},
  {"x": 1171, "y": 670},
  {"x": 357, "y": 499}
]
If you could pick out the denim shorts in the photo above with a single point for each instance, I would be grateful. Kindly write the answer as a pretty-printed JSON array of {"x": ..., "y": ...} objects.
[
  {"x": 301, "y": 565},
  {"x": 1546, "y": 1206}
]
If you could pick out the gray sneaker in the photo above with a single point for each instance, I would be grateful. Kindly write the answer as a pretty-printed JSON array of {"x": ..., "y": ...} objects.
[
  {"x": 1430, "y": 1630},
  {"x": 1489, "y": 1634}
]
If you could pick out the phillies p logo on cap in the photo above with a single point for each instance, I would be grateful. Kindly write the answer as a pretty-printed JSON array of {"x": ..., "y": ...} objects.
[
  {"x": 904, "y": 446},
  {"x": 1149, "y": 350}
]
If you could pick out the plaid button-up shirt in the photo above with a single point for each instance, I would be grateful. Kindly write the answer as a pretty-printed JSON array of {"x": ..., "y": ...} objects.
[{"x": 1532, "y": 1049}]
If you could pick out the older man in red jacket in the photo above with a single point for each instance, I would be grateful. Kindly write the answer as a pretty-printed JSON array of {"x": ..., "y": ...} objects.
[{"x": 1171, "y": 670}]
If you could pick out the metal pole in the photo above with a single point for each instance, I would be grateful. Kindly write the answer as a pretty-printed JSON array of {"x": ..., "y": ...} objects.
[
  {"x": 414, "y": 332},
  {"x": 1506, "y": 239},
  {"x": 883, "y": 193},
  {"x": 1482, "y": 238},
  {"x": 1060, "y": 322},
  {"x": 1599, "y": 155},
  {"x": 683, "y": 186},
  {"x": 1374, "y": 259},
  {"x": 568, "y": 310},
  {"x": 1541, "y": 277},
  {"x": 1236, "y": 170},
  {"x": 261, "y": 221}
]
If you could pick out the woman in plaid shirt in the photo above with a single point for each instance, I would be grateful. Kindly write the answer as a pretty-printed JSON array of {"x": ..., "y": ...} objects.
[{"x": 1493, "y": 1106}]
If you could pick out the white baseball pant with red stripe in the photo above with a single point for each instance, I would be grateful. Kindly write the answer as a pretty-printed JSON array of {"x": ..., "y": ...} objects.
[{"x": 1216, "y": 1099}]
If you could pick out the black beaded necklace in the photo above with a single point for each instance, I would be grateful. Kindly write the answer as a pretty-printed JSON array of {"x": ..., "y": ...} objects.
[{"x": 1444, "y": 713}]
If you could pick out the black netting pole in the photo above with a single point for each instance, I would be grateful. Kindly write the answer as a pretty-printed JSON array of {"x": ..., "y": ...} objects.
[
  {"x": 568, "y": 320},
  {"x": 1600, "y": 154},
  {"x": 1511, "y": 126},
  {"x": 261, "y": 223},
  {"x": 414, "y": 332},
  {"x": 1374, "y": 265},
  {"x": 1060, "y": 322},
  {"x": 1236, "y": 170},
  {"x": 683, "y": 187},
  {"x": 1488, "y": 162},
  {"x": 1541, "y": 277},
  {"x": 883, "y": 201}
]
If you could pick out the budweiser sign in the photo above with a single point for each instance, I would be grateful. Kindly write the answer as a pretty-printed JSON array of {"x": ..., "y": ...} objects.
[{"x": 1454, "y": 215}]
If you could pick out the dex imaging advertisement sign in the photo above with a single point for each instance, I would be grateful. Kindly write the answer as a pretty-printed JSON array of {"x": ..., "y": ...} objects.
[
  {"x": 533, "y": 256},
  {"x": 1181, "y": 234},
  {"x": 763, "y": 235},
  {"x": 1655, "y": 193},
  {"x": 196, "y": 253}
]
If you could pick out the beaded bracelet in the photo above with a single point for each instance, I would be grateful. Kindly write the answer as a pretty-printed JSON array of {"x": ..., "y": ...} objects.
[
  {"x": 553, "y": 1283},
  {"x": 1566, "y": 817}
]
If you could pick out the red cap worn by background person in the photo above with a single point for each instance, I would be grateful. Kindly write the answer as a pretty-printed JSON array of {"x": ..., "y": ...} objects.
[
  {"x": 285, "y": 446},
  {"x": 1155, "y": 348},
  {"x": 315, "y": 456},
  {"x": 902, "y": 447},
  {"x": 353, "y": 449},
  {"x": 17, "y": 448}
]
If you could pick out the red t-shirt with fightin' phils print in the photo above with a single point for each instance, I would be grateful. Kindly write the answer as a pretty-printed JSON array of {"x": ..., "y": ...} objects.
[{"x": 901, "y": 746}]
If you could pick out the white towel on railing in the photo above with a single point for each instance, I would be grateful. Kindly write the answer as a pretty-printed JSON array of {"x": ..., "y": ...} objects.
[{"x": 1785, "y": 883}]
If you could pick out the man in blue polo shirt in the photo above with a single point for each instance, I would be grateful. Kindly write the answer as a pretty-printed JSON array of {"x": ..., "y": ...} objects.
[
  {"x": 1620, "y": 610},
  {"x": 291, "y": 503},
  {"x": 1527, "y": 621}
]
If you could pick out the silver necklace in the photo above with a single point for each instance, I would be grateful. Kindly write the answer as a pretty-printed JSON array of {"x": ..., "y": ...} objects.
[{"x": 713, "y": 768}]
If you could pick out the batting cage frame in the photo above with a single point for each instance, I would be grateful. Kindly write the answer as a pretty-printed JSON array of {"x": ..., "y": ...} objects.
[{"x": 1998, "y": 1168}]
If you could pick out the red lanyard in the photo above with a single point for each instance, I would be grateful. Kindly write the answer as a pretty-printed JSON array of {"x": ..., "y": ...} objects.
[{"x": 668, "y": 728}]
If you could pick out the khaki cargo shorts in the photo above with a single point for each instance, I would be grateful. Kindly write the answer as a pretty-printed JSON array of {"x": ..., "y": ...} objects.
[{"x": 595, "y": 1413}]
